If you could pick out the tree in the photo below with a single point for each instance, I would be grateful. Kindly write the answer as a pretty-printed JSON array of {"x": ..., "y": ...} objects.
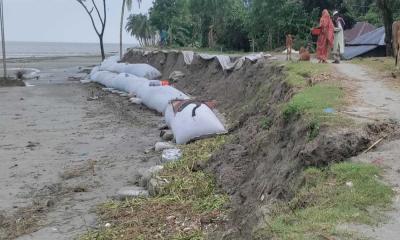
[
  {"x": 139, "y": 26},
  {"x": 173, "y": 16},
  {"x": 386, "y": 8},
  {"x": 102, "y": 18},
  {"x": 128, "y": 4}
]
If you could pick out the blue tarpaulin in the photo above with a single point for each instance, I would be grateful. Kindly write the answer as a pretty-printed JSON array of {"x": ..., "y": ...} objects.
[{"x": 365, "y": 43}]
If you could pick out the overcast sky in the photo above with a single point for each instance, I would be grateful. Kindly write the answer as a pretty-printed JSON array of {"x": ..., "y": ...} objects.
[{"x": 61, "y": 21}]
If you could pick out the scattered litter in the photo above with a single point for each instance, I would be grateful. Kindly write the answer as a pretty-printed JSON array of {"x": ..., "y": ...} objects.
[
  {"x": 171, "y": 155},
  {"x": 13, "y": 166},
  {"x": 74, "y": 78},
  {"x": 329, "y": 110},
  {"x": 349, "y": 184},
  {"x": 85, "y": 81},
  {"x": 93, "y": 98},
  {"x": 148, "y": 174},
  {"x": 32, "y": 145},
  {"x": 107, "y": 225},
  {"x": 162, "y": 126},
  {"x": 374, "y": 145},
  {"x": 175, "y": 76},
  {"x": 161, "y": 146},
  {"x": 131, "y": 192},
  {"x": 167, "y": 135},
  {"x": 136, "y": 100}
]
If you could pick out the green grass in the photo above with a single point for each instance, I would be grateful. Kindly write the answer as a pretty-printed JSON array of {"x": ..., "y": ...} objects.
[
  {"x": 325, "y": 201},
  {"x": 384, "y": 65},
  {"x": 188, "y": 195},
  {"x": 299, "y": 72},
  {"x": 312, "y": 101}
]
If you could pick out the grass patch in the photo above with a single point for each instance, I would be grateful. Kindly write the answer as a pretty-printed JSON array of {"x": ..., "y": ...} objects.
[
  {"x": 312, "y": 101},
  {"x": 185, "y": 206},
  {"x": 300, "y": 72},
  {"x": 24, "y": 221},
  {"x": 384, "y": 65},
  {"x": 343, "y": 193},
  {"x": 265, "y": 123}
]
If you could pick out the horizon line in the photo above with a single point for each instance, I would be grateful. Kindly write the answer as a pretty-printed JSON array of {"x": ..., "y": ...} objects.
[{"x": 35, "y": 41}]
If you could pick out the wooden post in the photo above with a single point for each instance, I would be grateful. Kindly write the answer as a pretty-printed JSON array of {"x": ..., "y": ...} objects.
[{"x": 3, "y": 40}]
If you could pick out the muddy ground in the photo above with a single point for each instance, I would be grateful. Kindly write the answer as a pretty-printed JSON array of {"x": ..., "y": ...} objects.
[
  {"x": 61, "y": 154},
  {"x": 64, "y": 154}
]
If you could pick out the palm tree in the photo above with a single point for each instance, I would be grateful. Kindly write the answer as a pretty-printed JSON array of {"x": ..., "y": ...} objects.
[
  {"x": 139, "y": 26},
  {"x": 128, "y": 4}
]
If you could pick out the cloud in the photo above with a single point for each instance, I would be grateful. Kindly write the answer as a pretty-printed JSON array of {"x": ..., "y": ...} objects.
[{"x": 61, "y": 21}]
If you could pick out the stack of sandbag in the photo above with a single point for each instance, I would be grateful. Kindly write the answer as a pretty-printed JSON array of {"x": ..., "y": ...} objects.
[
  {"x": 152, "y": 94},
  {"x": 191, "y": 119},
  {"x": 188, "y": 119},
  {"x": 140, "y": 70}
]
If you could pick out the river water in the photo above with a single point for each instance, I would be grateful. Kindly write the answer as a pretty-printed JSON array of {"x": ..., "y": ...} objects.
[{"x": 53, "y": 49}]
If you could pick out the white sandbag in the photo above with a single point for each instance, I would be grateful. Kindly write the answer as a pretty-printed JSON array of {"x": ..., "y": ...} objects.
[
  {"x": 105, "y": 78},
  {"x": 137, "y": 101},
  {"x": 139, "y": 70},
  {"x": 131, "y": 83},
  {"x": 94, "y": 70},
  {"x": 108, "y": 62},
  {"x": 187, "y": 127},
  {"x": 158, "y": 97},
  {"x": 188, "y": 57}
]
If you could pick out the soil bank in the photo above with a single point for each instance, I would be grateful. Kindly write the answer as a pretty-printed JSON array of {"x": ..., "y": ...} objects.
[{"x": 261, "y": 165}]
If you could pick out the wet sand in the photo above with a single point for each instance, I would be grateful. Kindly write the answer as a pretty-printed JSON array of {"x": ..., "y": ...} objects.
[{"x": 66, "y": 153}]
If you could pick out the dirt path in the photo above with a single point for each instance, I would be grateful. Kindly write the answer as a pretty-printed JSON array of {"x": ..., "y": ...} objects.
[
  {"x": 377, "y": 101},
  {"x": 65, "y": 153}
]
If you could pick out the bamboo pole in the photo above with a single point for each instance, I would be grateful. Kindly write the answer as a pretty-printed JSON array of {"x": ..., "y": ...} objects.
[{"x": 3, "y": 40}]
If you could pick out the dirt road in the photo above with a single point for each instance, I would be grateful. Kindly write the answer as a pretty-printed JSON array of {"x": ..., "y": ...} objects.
[
  {"x": 376, "y": 100},
  {"x": 66, "y": 154}
]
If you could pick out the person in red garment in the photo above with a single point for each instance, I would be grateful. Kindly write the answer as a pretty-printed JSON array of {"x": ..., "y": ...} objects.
[{"x": 325, "y": 38}]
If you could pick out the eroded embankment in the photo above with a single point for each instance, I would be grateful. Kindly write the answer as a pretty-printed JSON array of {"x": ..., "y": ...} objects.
[{"x": 268, "y": 151}]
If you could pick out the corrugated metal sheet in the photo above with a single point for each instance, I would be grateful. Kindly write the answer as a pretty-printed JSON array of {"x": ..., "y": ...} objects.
[
  {"x": 359, "y": 29},
  {"x": 376, "y": 37},
  {"x": 351, "y": 52}
]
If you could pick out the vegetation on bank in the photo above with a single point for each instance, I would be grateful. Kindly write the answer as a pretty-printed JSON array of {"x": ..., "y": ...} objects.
[
  {"x": 340, "y": 194},
  {"x": 382, "y": 65},
  {"x": 318, "y": 97},
  {"x": 186, "y": 206},
  {"x": 244, "y": 24}
]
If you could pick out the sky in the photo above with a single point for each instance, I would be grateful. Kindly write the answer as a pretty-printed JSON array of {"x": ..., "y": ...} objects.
[{"x": 62, "y": 21}]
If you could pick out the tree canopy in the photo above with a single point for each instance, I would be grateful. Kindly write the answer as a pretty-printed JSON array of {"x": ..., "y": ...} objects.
[{"x": 237, "y": 24}]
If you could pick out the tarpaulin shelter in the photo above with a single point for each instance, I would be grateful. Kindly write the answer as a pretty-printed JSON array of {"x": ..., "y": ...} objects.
[{"x": 371, "y": 44}]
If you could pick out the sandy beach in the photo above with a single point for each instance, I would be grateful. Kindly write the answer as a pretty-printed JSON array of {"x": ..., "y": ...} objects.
[
  {"x": 52, "y": 69},
  {"x": 63, "y": 154}
]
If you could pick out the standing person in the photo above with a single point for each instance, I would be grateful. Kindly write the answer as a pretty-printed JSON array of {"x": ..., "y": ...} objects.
[
  {"x": 338, "y": 45},
  {"x": 325, "y": 38}
]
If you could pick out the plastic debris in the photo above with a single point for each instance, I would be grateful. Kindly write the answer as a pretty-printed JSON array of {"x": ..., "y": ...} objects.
[{"x": 171, "y": 155}]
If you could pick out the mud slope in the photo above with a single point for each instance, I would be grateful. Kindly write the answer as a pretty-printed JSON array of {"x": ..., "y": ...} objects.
[{"x": 263, "y": 161}]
